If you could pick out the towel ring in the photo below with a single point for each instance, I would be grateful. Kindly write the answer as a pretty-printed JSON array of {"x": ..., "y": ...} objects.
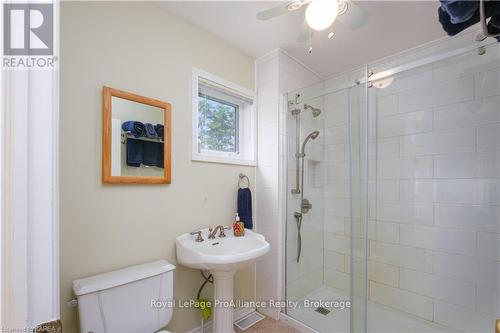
[{"x": 242, "y": 177}]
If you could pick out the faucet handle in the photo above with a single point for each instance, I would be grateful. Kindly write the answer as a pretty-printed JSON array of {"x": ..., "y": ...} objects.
[
  {"x": 222, "y": 233},
  {"x": 198, "y": 238},
  {"x": 211, "y": 233}
]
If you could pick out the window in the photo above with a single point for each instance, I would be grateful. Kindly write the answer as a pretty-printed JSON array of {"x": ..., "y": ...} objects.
[
  {"x": 223, "y": 121},
  {"x": 217, "y": 124}
]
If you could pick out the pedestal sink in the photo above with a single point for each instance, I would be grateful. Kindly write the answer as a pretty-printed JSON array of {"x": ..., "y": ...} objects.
[{"x": 222, "y": 256}]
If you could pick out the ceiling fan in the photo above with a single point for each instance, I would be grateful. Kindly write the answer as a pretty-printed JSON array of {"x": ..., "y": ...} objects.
[{"x": 319, "y": 14}]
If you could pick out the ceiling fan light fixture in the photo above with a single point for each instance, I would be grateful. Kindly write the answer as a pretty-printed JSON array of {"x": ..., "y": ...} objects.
[{"x": 320, "y": 14}]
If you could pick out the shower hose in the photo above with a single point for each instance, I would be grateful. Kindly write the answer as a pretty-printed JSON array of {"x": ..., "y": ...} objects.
[{"x": 298, "y": 215}]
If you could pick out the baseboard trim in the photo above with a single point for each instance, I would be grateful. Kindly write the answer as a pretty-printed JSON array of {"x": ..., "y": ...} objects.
[{"x": 237, "y": 315}]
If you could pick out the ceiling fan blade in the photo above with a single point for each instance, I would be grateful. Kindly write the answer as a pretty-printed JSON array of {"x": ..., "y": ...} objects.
[
  {"x": 273, "y": 12},
  {"x": 305, "y": 33},
  {"x": 355, "y": 16}
]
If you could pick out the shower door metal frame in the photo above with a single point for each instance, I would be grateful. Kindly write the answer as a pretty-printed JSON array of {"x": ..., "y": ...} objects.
[{"x": 477, "y": 45}]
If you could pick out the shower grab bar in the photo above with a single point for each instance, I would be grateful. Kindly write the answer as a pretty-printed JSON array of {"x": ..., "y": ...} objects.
[
  {"x": 297, "y": 189},
  {"x": 296, "y": 114}
]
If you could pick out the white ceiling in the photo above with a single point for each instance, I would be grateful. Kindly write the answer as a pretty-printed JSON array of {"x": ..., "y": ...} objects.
[{"x": 392, "y": 26}]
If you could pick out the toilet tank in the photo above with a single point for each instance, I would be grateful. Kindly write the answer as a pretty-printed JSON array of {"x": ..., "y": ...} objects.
[{"x": 133, "y": 299}]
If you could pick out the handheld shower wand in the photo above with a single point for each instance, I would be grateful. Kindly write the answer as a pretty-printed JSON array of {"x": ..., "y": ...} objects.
[
  {"x": 305, "y": 205},
  {"x": 312, "y": 136}
]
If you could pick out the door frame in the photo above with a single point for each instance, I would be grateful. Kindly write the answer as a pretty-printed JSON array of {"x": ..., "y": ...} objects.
[{"x": 29, "y": 192}]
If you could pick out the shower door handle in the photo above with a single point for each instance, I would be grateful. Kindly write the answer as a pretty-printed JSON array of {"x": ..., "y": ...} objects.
[{"x": 497, "y": 326}]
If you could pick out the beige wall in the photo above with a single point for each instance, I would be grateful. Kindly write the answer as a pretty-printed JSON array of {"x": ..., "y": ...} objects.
[{"x": 141, "y": 48}]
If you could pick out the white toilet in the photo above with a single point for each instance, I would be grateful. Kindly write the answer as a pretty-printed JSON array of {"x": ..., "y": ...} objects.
[{"x": 122, "y": 301}]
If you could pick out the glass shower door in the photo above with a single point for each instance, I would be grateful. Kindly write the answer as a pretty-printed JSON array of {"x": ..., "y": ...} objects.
[
  {"x": 357, "y": 223},
  {"x": 433, "y": 262},
  {"x": 403, "y": 189},
  {"x": 326, "y": 243}
]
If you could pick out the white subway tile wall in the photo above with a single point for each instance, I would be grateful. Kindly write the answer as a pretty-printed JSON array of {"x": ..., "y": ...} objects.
[
  {"x": 306, "y": 275},
  {"x": 434, "y": 228},
  {"x": 277, "y": 73},
  {"x": 267, "y": 221}
]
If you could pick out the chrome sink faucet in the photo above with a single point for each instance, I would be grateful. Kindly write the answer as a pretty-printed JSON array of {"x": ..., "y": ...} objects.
[
  {"x": 199, "y": 238},
  {"x": 212, "y": 232}
]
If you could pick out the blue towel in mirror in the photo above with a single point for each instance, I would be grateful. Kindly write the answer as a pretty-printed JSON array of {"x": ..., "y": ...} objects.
[
  {"x": 151, "y": 153},
  {"x": 161, "y": 159},
  {"x": 134, "y": 127},
  {"x": 134, "y": 152},
  {"x": 149, "y": 131},
  {"x": 245, "y": 207},
  {"x": 159, "y": 128},
  {"x": 141, "y": 151}
]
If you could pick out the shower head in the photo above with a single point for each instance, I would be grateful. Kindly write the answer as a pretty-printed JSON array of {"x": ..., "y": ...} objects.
[
  {"x": 311, "y": 136},
  {"x": 315, "y": 111}
]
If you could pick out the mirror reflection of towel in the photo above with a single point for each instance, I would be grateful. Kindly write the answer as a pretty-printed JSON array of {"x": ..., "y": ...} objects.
[
  {"x": 151, "y": 153},
  {"x": 134, "y": 127},
  {"x": 140, "y": 151},
  {"x": 161, "y": 159},
  {"x": 159, "y": 128},
  {"x": 144, "y": 152},
  {"x": 134, "y": 152},
  {"x": 149, "y": 131}
]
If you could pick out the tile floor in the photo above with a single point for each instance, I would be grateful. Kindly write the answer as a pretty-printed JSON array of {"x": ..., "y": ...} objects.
[{"x": 382, "y": 319}]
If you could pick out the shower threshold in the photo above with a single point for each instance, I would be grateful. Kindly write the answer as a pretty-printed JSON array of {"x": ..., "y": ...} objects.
[{"x": 381, "y": 319}]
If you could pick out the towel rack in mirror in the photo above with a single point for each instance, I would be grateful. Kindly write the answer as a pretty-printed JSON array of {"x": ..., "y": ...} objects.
[{"x": 128, "y": 135}]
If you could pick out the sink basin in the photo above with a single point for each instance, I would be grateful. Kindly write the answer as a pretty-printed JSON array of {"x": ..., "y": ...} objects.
[
  {"x": 220, "y": 254},
  {"x": 222, "y": 257}
]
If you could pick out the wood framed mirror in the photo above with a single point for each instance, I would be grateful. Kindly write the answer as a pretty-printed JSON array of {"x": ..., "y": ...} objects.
[{"x": 136, "y": 139}]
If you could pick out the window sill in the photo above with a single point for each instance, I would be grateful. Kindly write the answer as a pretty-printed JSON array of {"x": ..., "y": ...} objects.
[{"x": 222, "y": 160}]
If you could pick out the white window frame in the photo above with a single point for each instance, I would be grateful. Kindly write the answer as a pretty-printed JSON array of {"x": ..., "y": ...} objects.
[{"x": 247, "y": 122}]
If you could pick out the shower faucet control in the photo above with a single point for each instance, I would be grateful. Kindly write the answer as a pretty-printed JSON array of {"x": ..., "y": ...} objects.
[{"x": 306, "y": 206}]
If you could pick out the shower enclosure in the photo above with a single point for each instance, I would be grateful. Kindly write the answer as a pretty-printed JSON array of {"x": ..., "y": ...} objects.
[{"x": 402, "y": 186}]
